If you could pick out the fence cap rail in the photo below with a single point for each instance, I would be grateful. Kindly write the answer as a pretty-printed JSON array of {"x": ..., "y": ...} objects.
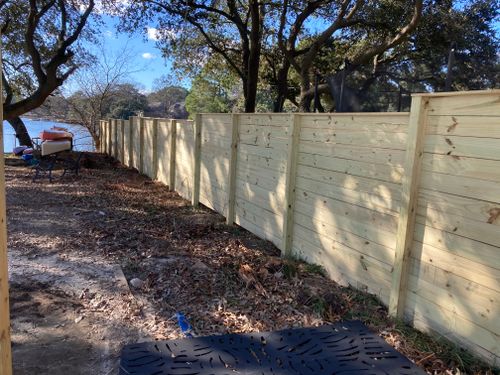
[
  {"x": 309, "y": 113},
  {"x": 458, "y": 93}
]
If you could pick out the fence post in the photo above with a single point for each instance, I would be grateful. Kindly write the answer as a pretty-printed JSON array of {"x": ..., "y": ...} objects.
[
  {"x": 122, "y": 143},
  {"x": 108, "y": 136},
  {"x": 101, "y": 127},
  {"x": 409, "y": 201},
  {"x": 155, "y": 149},
  {"x": 195, "y": 199},
  {"x": 291, "y": 169},
  {"x": 115, "y": 149},
  {"x": 231, "y": 191},
  {"x": 173, "y": 151},
  {"x": 5, "y": 348},
  {"x": 130, "y": 141},
  {"x": 141, "y": 145}
]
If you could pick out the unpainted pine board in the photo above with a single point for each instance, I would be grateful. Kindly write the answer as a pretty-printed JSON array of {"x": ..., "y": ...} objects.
[
  {"x": 349, "y": 267},
  {"x": 389, "y": 173},
  {"x": 424, "y": 324},
  {"x": 473, "y": 209},
  {"x": 461, "y": 288},
  {"x": 215, "y": 139},
  {"x": 290, "y": 181},
  {"x": 306, "y": 224},
  {"x": 381, "y": 259},
  {"x": 388, "y": 191},
  {"x": 466, "y": 105},
  {"x": 451, "y": 325},
  {"x": 261, "y": 215},
  {"x": 148, "y": 147},
  {"x": 258, "y": 161},
  {"x": 475, "y": 230},
  {"x": 214, "y": 202},
  {"x": 460, "y": 266},
  {"x": 220, "y": 153},
  {"x": 378, "y": 139},
  {"x": 470, "y": 249},
  {"x": 334, "y": 208},
  {"x": 119, "y": 143},
  {"x": 345, "y": 268},
  {"x": 264, "y": 119},
  {"x": 388, "y": 122},
  {"x": 372, "y": 200},
  {"x": 462, "y": 186},
  {"x": 264, "y": 142},
  {"x": 483, "y": 148},
  {"x": 325, "y": 222},
  {"x": 255, "y": 228},
  {"x": 271, "y": 200},
  {"x": 354, "y": 152},
  {"x": 482, "y": 169},
  {"x": 471, "y": 306},
  {"x": 465, "y": 126},
  {"x": 136, "y": 142},
  {"x": 163, "y": 150},
  {"x": 269, "y": 153},
  {"x": 268, "y": 182},
  {"x": 207, "y": 179},
  {"x": 5, "y": 344},
  {"x": 409, "y": 200},
  {"x": 271, "y": 132},
  {"x": 196, "y": 160}
]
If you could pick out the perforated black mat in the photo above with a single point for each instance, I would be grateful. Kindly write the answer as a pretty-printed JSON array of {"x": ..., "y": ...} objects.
[{"x": 343, "y": 348}]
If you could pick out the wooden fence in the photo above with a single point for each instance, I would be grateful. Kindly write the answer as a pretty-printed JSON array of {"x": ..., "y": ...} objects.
[{"x": 403, "y": 205}]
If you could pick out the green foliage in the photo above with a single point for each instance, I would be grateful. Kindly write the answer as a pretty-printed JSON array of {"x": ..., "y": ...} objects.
[{"x": 207, "y": 96}]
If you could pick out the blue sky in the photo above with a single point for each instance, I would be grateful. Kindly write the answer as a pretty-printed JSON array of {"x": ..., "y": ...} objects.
[{"x": 149, "y": 62}]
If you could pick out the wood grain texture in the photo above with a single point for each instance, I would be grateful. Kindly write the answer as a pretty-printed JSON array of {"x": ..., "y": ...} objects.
[
  {"x": 410, "y": 186},
  {"x": 5, "y": 345},
  {"x": 231, "y": 198},
  {"x": 290, "y": 181}
]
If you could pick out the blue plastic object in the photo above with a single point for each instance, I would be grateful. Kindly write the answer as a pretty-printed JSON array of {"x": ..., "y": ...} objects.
[
  {"x": 27, "y": 157},
  {"x": 184, "y": 325}
]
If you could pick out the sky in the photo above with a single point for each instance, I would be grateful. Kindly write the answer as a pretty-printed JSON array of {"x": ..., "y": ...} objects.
[{"x": 150, "y": 65}]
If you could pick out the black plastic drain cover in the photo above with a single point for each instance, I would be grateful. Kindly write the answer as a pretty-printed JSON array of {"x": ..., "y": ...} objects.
[{"x": 343, "y": 348}]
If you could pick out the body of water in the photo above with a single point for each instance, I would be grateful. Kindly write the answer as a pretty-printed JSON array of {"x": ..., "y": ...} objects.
[{"x": 82, "y": 140}]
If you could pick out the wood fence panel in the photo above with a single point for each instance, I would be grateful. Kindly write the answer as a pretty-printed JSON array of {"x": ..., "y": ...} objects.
[
  {"x": 340, "y": 184},
  {"x": 127, "y": 141},
  {"x": 148, "y": 162},
  {"x": 119, "y": 139},
  {"x": 136, "y": 141},
  {"x": 348, "y": 196},
  {"x": 184, "y": 161},
  {"x": 164, "y": 152},
  {"x": 454, "y": 284},
  {"x": 215, "y": 158},
  {"x": 260, "y": 191}
]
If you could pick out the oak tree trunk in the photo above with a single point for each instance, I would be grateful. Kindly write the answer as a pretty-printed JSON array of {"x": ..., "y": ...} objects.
[{"x": 21, "y": 132}]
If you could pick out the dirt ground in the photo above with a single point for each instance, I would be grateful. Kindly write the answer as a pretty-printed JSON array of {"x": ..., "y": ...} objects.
[{"x": 75, "y": 244}]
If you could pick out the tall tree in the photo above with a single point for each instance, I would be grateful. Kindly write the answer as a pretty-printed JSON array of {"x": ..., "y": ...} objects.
[
  {"x": 99, "y": 83},
  {"x": 375, "y": 38},
  {"x": 40, "y": 42},
  {"x": 231, "y": 29}
]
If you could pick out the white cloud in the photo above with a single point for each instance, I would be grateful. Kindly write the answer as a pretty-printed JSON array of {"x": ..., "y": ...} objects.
[
  {"x": 148, "y": 56},
  {"x": 153, "y": 33}
]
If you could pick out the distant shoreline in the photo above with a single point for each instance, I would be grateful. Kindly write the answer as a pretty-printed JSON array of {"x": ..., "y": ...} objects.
[{"x": 58, "y": 120}]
